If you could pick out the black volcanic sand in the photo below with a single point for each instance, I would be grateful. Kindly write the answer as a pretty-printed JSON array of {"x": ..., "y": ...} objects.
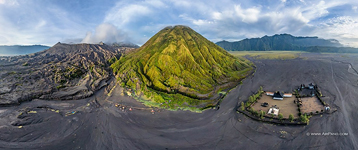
[{"x": 101, "y": 125}]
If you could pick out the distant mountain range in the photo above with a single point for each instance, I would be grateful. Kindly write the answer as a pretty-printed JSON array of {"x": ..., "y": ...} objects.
[
  {"x": 286, "y": 42},
  {"x": 12, "y": 50}
]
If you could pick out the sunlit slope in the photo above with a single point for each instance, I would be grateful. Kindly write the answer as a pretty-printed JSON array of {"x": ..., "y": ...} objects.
[{"x": 178, "y": 60}]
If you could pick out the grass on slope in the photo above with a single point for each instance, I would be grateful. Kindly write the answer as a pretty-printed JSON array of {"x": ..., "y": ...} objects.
[
  {"x": 178, "y": 66},
  {"x": 282, "y": 55}
]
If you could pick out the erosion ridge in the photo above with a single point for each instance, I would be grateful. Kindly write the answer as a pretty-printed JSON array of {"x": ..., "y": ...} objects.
[
  {"x": 64, "y": 71},
  {"x": 180, "y": 66}
]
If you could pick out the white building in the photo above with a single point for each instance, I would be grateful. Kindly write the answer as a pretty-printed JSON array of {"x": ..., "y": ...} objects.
[
  {"x": 287, "y": 95},
  {"x": 273, "y": 111}
]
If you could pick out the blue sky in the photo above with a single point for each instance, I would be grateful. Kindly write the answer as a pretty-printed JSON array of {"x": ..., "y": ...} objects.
[{"x": 90, "y": 21}]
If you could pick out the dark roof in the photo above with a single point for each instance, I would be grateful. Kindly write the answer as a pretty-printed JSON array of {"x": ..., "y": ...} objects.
[{"x": 278, "y": 94}]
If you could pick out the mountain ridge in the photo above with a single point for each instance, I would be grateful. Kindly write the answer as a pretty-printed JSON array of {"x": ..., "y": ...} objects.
[
  {"x": 278, "y": 42},
  {"x": 11, "y": 50}
]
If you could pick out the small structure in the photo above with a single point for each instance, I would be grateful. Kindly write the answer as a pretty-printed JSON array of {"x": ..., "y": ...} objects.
[
  {"x": 311, "y": 86},
  {"x": 327, "y": 108},
  {"x": 273, "y": 110},
  {"x": 287, "y": 95},
  {"x": 270, "y": 93},
  {"x": 278, "y": 95}
]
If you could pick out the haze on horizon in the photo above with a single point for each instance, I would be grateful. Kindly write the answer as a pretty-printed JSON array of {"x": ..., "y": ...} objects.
[{"x": 48, "y": 22}]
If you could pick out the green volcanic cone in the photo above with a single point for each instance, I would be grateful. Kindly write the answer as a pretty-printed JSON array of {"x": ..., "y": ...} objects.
[{"x": 178, "y": 67}]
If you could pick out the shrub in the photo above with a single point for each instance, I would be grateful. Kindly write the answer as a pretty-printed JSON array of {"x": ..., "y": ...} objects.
[
  {"x": 262, "y": 114},
  {"x": 304, "y": 118},
  {"x": 60, "y": 86},
  {"x": 290, "y": 117},
  {"x": 280, "y": 116},
  {"x": 251, "y": 99},
  {"x": 242, "y": 107},
  {"x": 317, "y": 112},
  {"x": 247, "y": 104},
  {"x": 256, "y": 113},
  {"x": 251, "y": 110}
]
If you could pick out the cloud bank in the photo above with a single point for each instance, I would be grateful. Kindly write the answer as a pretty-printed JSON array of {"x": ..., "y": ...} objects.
[
  {"x": 106, "y": 33},
  {"x": 233, "y": 20},
  {"x": 47, "y": 22}
]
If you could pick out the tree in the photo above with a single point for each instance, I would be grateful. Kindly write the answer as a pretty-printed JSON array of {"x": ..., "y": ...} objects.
[
  {"x": 262, "y": 114},
  {"x": 251, "y": 110},
  {"x": 242, "y": 106},
  {"x": 251, "y": 99},
  {"x": 290, "y": 117},
  {"x": 304, "y": 119},
  {"x": 280, "y": 116},
  {"x": 256, "y": 113},
  {"x": 247, "y": 104}
]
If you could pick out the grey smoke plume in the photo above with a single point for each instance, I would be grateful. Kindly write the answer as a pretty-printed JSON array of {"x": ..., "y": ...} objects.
[{"x": 106, "y": 33}]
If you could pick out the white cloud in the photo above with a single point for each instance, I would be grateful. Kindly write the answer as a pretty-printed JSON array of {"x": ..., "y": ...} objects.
[
  {"x": 33, "y": 23},
  {"x": 249, "y": 15},
  {"x": 9, "y": 2},
  {"x": 29, "y": 22},
  {"x": 125, "y": 15},
  {"x": 227, "y": 19},
  {"x": 343, "y": 28},
  {"x": 105, "y": 33}
]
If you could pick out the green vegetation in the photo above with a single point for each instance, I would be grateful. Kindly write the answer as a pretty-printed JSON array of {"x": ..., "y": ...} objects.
[
  {"x": 253, "y": 98},
  {"x": 242, "y": 106},
  {"x": 282, "y": 55},
  {"x": 12, "y": 72},
  {"x": 112, "y": 60},
  {"x": 177, "y": 67},
  {"x": 287, "y": 42},
  {"x": 305, "y": 119},
  {"x": 280, "y": 116},
  {"x": 262, "y": 114},
  {"x": 25, "y": 64},
  {"x": 60, "y": 86},
  {"x": 327, "y": 49},
  {"x": 290, "y": 117},
  {"x": 73, "y": 72}
]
